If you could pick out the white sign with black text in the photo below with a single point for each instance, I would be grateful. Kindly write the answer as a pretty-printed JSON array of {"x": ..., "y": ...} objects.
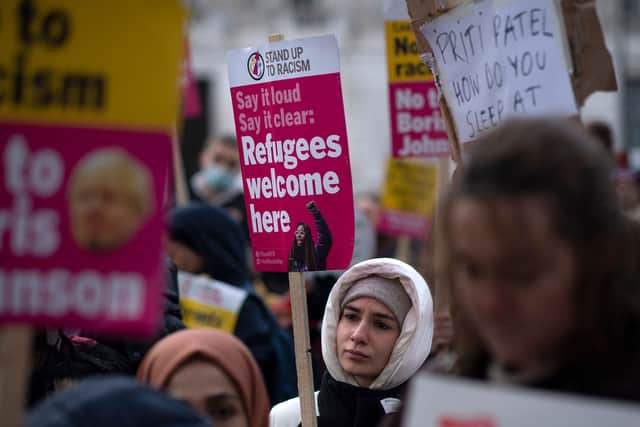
[
  {"x": 498, "y": 59},
  {"x": 445, "y": 401}
]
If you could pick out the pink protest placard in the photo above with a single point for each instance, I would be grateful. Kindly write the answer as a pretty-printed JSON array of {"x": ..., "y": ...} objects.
[
  {"x": 292, "y": 138},
  {"x": 81, "y": 223},
  {"x": 417, "y": 127}
]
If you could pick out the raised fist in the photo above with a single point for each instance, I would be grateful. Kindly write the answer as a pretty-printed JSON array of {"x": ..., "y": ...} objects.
[{"x": 311, "y": 206}]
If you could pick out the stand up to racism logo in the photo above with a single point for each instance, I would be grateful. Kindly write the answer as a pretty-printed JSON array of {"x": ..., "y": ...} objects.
[{"x": 255, "y": 66}]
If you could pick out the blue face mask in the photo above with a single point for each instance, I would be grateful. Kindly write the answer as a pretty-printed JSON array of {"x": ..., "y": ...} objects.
[{"x": 213, "y": 178}]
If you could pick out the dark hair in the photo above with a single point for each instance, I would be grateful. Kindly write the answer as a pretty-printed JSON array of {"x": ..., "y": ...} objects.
[
  {"x": 560, "y": 162},
  {"x": 214, "y": 236},
  {"x": 602, "y": 132},
  {"x": 305, "y": 256},
  {"x": 112, "y": 400}
]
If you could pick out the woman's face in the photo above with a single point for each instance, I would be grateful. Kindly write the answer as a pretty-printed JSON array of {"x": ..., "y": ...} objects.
[
  {"x": 300, "y": 235},
  {"x": 185, "y": 258},
  {"x": 514, "y": 278},
  {"x": 210, "y": 392},
  {"x": 366, "y": 334}
]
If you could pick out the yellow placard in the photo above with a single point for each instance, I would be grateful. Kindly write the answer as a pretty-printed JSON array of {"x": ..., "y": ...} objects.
[
  {"x": 403, "y": 62},
  {"x": 198, "y": 315},
  {"x": 411, "y": 186},
  {"x": 102, "y": 63}
]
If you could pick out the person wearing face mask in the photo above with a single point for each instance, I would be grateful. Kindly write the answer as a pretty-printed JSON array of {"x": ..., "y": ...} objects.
[
  {"x": 376, "y": 333},
  {"x": 219, "y": 181}
]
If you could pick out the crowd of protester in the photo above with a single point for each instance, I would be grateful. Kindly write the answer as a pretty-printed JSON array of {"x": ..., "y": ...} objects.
[{"x": 542, "y": 261}]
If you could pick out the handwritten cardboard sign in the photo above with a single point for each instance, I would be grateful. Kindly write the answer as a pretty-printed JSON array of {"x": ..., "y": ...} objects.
[
  {"x": 417, "y": 127},
  {"x": 292, "y": 139},
  {"x": 455, "y": 402},
  {"x": 88, "y": 96},
  {"x": 498, "y": 60}
]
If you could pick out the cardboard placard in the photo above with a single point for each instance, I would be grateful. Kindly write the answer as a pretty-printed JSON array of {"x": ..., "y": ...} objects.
[
  {"x": 88, "y": 97},
  {"x": 409, "y": 198},
  {"x": 454, "y": 402},
  {"x": 499, "y": 60},
  {"x": 292, "y": 139},
  {"x": 590, "y": 61}
]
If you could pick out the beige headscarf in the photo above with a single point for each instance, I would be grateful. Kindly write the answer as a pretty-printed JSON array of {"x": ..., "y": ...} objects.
[
  {"x": 220, "y": 348},
  {"x": 414, "y": 342}
]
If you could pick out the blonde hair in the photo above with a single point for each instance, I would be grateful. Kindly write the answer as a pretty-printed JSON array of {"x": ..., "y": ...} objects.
[
  {"x": 118, "y": 179},
  {"x": 132, "y": 176}
]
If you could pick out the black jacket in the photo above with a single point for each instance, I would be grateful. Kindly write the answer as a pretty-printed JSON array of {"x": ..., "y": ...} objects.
[
  {"x": 114, "y": 401},
  {"x": 345, "y": 405}
]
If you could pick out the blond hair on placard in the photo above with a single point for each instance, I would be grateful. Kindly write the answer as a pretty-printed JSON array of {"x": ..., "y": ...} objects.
[{"x": 109, "y": 176}]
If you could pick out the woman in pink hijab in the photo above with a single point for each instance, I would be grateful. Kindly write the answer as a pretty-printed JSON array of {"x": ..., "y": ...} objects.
[{"x": 214, "y": 372}]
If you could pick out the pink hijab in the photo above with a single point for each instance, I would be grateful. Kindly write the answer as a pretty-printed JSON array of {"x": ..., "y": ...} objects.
[{"x": 221, "y": 349}]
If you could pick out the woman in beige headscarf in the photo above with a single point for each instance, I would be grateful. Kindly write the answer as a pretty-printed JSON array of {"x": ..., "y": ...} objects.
[{"x": 214, "y": 372}]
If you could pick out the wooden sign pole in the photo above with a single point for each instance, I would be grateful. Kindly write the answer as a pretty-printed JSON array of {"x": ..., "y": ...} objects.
[
  {"x": 301, "y": 339},
  {"x": 403, "y": 249},
  {"x": 302, "y": 343},
  {"x": 15, "y": 358},
  {"x": 442, "y": 303}
]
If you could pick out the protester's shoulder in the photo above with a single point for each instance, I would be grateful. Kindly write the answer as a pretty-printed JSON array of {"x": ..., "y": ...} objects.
[{"x": 286, "y": 414}]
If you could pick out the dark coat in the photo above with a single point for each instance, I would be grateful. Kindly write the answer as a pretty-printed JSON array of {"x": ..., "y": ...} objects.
[
  {"x": 345, "y": 405},
  {"x": 213, "y": 235},
  {"x": 171, "y": 321}
]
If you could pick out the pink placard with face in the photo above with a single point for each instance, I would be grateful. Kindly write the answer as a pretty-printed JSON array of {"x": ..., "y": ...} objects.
[
  {"x": 81, "y": 225},
  {"x": 294, "y": 154}
]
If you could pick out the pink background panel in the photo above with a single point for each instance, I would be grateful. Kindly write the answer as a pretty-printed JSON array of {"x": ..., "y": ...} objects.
[
  {"x": 323, "y": 95},
  {"x": 397, "y": 223},
  {"x": 397, "y": 138},
  {"x": 142, "y": 255}
]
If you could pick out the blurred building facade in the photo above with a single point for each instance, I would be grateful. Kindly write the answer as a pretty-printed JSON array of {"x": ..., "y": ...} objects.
[{"x": 221, "y": 25}]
